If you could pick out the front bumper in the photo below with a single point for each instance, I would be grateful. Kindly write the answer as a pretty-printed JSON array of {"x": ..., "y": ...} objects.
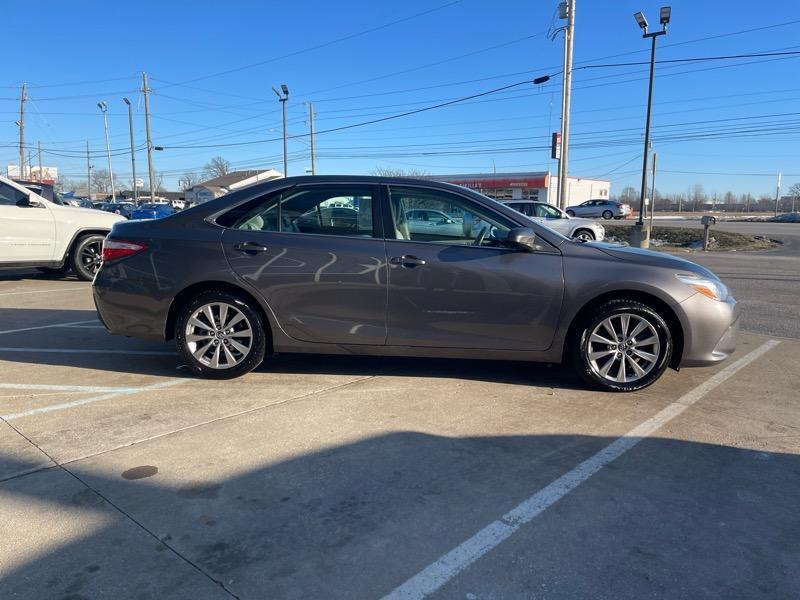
[{"x": 710, "y": 329}]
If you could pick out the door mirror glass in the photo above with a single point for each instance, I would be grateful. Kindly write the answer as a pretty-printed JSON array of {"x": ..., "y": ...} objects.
[
  {"x": 28, "y": 202},
  {"x": 523, "y": 238}
]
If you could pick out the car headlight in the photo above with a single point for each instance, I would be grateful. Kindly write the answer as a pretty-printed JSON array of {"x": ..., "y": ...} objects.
[{"x": 711, "y": 288}]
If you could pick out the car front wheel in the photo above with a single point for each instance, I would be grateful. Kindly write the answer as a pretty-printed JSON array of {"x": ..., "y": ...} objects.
[
  {"x": 622, "y": 346},
  {"x": 220, "y": 335},
  {"x": 87, "y": 255},
  {"x": 571, "y": 213},
  {"x": 584, "y": 235}
]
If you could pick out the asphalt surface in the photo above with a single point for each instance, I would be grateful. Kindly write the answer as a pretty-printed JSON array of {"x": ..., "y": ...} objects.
[{"x": 122, "y": 476}]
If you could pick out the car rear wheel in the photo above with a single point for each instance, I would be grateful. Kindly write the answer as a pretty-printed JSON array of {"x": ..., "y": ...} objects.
[
  {"x": 87, "y": 255},
  {"x": 571, "y": 213},
  {"x": 607, "y": 214},
  {"x": 583, "y": 234},
  {"x": 622, "y": 346},
  {"x": 220, "y": 335}
]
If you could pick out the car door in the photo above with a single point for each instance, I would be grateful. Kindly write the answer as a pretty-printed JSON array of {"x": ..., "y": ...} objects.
[
  {"x": 553, "y": 218},
  {"x": 27, "y": 226},
  {"x": 322, "y": 270},
  {"x": 466, "y": 290}
]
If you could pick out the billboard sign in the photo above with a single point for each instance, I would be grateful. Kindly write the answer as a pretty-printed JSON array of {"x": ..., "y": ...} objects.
[{"x": 48, "y": 174}]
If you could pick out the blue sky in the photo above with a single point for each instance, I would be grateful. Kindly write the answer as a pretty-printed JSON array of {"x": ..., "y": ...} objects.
[{"x": 212, "y": 66}]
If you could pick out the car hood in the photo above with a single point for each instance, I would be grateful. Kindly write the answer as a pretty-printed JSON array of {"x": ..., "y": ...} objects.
[
  {"x": 581, "y": 221},
  {"x": 650, "y": 258},
  {"x": 87, "y": 216}
]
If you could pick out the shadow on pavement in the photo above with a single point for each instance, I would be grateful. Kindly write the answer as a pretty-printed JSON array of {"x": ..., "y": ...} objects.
[{"x": 670, "y": 519}]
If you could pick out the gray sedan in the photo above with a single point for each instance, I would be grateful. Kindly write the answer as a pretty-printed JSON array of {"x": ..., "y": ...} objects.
[
  {"x": 249, "y": 274},
  {"x": 608, "y": 209}
]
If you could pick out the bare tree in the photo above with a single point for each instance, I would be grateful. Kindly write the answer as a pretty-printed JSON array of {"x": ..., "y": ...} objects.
[
  {"x": 101, "y": 181},
  {"x": 628, "y": 195},
  {"x": 65, "y": 184},
  {"x": 189, "y": 179},
  {"x": 216, "y": 167},
  {"x": 794, "y": 194},
  {"x": 389, "y": 172},
  {"x": 158, "y": 183}
]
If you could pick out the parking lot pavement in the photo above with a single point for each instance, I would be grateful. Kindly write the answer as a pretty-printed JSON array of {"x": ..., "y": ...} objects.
[{"x": 122, "y": 476}]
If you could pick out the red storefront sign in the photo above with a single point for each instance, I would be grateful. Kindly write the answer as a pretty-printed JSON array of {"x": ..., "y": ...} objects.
[{"x": 500, "y": 182}]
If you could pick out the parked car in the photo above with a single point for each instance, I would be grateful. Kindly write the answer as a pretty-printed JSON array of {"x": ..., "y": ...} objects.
[
  {"x": 246, "y": 274},
  {"x": 555, "y": 218},
  {"x": 424, "y": 221},
  {"x": 152, "y": 210},
  {"x": 608, "y": 209},
  {"x": 120, "y": 208},
  {"x": 37, "y": 232}
]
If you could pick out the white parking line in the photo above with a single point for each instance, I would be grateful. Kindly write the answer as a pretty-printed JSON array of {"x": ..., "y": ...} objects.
[
  {"x": 459, "y": 558},
  {"x": 87, "y": 389},
  {"x": 75, "y": 403},
  {"x": 68, "y": 324},
  {"x": 87, "y": 351},
  {"x": 47, "y": 291}
]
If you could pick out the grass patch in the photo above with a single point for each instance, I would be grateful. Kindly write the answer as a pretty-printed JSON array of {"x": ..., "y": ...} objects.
[{"x": 686, "y": 238}]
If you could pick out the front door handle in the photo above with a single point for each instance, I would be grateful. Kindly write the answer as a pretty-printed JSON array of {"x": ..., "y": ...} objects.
[
  {"x": 407, "y": 261},
  {"x": 250, "y": 247}
]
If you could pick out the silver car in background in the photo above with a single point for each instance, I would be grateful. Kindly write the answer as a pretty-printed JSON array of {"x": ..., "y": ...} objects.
[
  {"x": 555, "y": 218},
  {"x": 607, "y": 209}
]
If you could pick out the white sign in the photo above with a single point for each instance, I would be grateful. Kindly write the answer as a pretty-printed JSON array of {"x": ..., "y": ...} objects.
[
  {"x": 49, "y": 174},
  {"x": 139, "y": 183}
]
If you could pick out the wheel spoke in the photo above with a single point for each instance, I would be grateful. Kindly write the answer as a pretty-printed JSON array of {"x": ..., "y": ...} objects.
[
  {"x": 599, "y": 339},
  {"x": 648, "y": 342},
  {"x": 600, "y": 354},
  {"x": 223, "y": 315},
  {"x": 201, "y": 351},
  {"x": 607, "y": 367},
  {"x": 610, "y": 328},
  {"x": 230, "y": 358},
  {"x": 637, "y": 369},
  {"x": 215, "y": 358},
  {"x": 193, "y": 337},
  {"x": 209, "y": 313},
  {"x": 624, "y": 322},
  {"x": 198, "y": 323},
  {"x": 621, "y": 375},
  {"x": 244, "y": 333},
  {"x": 239, "y": 316},
  {"x": 237, "y": 346},
  {"x": 640, "y": 326},
  {"x": 651, "y": 358}
]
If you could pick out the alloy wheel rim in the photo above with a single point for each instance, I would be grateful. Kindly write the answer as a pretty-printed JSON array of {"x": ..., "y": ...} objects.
[
  {"x": 585, "y": 236},
  {"x": 219, "y": 335},
  {"x": 92, "y": 257},
  {"x": 623, "y": 348}
]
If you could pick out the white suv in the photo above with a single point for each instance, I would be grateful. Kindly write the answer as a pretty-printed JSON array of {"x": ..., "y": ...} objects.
[
  {"x": 557, "y": 220},
  {"x": 35, "y": 232}
]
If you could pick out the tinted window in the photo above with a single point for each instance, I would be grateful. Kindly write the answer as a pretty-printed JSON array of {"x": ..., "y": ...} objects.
[
  {"x": 327, "y": 210},
  {"x": 548, "y": 212},
  {"x": 467, "y": 222},
  {"x": 10, "y": 195}
]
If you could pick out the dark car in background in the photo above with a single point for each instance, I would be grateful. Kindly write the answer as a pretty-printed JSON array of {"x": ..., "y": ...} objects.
[
  {"x": 271, "y": 268},
  {"x": 120, "y": 208},
  {"x": 152, "y": 211}
]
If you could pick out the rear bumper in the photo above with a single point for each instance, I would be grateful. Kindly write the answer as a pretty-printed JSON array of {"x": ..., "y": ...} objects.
[{"x": 710, "y": 330}]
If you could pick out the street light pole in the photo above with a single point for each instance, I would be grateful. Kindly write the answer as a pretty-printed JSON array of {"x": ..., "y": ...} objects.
[
  {"x": 104, "y": 109},
  {"x": 283, "y": 98},
  {"x": 566, "y": 93},
  {"x": 133, "y": 157},
  {"x": 639, "y": 236}
]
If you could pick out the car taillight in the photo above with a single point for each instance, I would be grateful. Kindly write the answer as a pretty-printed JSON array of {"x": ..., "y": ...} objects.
[
  {"x": 116, "y": 249},
  {"x": 618, "y": 205}
]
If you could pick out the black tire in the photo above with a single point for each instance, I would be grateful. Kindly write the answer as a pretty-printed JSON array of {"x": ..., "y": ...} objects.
[
  {"x": 579, "y": 347},
  {"x": 583, "y": 234},
  {"x": 189, "y": 352},
  {"x": 607, "y": 215},
  {"x": 617, "y": 218},
  {"x": 85, "y": 256},
  {"x": 571, "y": 213}
]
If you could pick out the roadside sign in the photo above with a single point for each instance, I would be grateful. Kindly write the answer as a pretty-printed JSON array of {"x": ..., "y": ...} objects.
[{"x": 555, "y": 146}]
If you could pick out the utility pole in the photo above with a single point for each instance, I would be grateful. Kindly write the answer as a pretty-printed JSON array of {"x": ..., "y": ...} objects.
[
  {"x": 777, "y": 194},
  {"x": 311, "y": 126},
  {"x": 39, "y": 144},
  {"x": 150, "y": 175},
  {"x": 22, "y": 99},
  {"x": 652, "y": 196},
  {"x": 563, "y": 162},
  {"x": 88, "y": 172},
  {"x": 133, "y": 156}
]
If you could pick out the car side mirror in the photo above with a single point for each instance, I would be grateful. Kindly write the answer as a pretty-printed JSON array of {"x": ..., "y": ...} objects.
[
  {"x": 28, "y": 202},
  {"x": 522, "y": 238}
]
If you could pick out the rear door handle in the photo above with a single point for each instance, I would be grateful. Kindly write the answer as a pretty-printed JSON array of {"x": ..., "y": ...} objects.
[
  {"x": 407, "y": 261},
  {"x": 249, "y": 247}
]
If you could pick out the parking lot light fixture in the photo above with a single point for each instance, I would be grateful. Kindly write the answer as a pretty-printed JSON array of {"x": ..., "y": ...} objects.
[
  {"x": 104, "y": 109},
  {"x": 282, "y": 98},
  {"x": 133, "y": 156},
  {"x": 666, "y": 12},
  {"x": 640, "y": 19}
]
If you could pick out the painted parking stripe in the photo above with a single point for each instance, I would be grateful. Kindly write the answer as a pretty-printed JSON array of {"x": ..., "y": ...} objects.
[
  {"x": 84, "y": 401},
  {"x": 68, "y": 324},
  {"x": 87, "y": 389},
  {"x": 47, "y": 291},
  {"x": 87, "y": 351},
  {"x": 459, "y": 558}
]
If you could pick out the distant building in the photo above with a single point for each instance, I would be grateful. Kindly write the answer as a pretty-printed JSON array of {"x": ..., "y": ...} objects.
[
  {"x": 541, "y": 186},
  {"x": 219, "y": 186}
]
